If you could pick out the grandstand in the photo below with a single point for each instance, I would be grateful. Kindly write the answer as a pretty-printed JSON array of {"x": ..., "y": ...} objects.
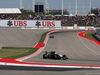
[
  {"x": 4, "y": 12},
  {"x": 10, "y": 11},
  {"x": 74, "y": 12}
]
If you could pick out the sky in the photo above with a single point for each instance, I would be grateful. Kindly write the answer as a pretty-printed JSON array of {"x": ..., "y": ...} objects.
[{"x": 53, "y": 4}]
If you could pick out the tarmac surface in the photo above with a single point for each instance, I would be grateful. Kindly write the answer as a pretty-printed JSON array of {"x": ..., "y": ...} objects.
[
  {"x": 12, "y": 37},
  {"x": 79, "y": 50}
]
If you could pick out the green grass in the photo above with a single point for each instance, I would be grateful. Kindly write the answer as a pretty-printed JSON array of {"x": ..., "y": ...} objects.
[
  {"x": 90, "y": 35},
  {"x": 17, "y": 52},
  {"x": 43, "y": 37}
]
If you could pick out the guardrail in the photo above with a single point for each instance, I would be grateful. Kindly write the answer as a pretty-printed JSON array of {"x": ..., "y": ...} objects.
[
  {"x": 63, "y": 27},
  {"x": 97, "y": 34}
]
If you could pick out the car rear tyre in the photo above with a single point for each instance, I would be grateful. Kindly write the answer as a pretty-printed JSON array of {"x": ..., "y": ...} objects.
[
  {"x": 44, "y": 56},
  {"x": 65, "y": 57},
  {"x": 57, "y": 56}
]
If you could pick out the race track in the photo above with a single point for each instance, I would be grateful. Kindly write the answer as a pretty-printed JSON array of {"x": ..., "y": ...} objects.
[
  {"x": 79, "y": 50},
  {"x": 12, "y": 37}
]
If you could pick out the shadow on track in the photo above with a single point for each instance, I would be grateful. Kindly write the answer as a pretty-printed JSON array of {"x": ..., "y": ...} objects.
[
  {"x": 84, "y": 60},
  {"x": 66, "y": 31},
  {"x": 5, "y": 67}
]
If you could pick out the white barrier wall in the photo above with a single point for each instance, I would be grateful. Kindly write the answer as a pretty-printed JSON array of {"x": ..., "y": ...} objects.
[
  {"x": 40, "y": 24},
  {"x": 30, "y": 23}
]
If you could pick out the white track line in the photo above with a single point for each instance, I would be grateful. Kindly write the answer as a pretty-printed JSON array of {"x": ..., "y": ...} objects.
[
  {"x": 52, "y": 66},
  {"x": 87, "y": 46}
]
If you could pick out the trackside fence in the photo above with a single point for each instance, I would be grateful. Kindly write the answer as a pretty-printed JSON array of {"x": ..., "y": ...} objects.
[{"x": 97, "y": 34}]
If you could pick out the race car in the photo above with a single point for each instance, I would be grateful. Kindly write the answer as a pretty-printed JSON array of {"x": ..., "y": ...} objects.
[{"x": 53, "y": 55}]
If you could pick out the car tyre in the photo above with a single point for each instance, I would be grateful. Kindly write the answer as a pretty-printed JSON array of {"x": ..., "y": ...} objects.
[
  {"x": 57, "y": 57},
  {"x": 44, "y": 56},
  {"x": 65, "y": 57}
]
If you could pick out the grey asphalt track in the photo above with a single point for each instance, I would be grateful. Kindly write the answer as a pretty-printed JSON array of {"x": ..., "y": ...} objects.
[
  {"x": 12, "y": 37},
  {"x": 79, "y": 50}
]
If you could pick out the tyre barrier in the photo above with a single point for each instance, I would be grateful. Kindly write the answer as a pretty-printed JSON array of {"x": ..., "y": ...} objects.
[{"x": 96, "y": 36}]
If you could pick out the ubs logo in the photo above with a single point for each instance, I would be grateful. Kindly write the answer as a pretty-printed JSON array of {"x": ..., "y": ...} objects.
[
  {"x": 9, "y": 23},
  {"x": 38, "y": 24}
]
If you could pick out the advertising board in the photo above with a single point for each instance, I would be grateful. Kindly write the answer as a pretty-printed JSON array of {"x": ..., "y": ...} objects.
[{"x": 30, "y": 23}]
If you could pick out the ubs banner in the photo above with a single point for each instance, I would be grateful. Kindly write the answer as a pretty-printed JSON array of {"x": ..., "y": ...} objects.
[{"x": 30, "y": 23}]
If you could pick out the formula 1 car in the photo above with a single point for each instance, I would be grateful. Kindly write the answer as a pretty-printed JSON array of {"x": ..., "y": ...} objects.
[{"x": 53, "y": 55}]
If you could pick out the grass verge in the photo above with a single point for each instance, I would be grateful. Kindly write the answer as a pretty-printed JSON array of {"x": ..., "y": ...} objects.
[
  {"x": 43, "y": 37},
  {"x": 90, "y": 35},
  {"x": 17, "y": 52}
]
